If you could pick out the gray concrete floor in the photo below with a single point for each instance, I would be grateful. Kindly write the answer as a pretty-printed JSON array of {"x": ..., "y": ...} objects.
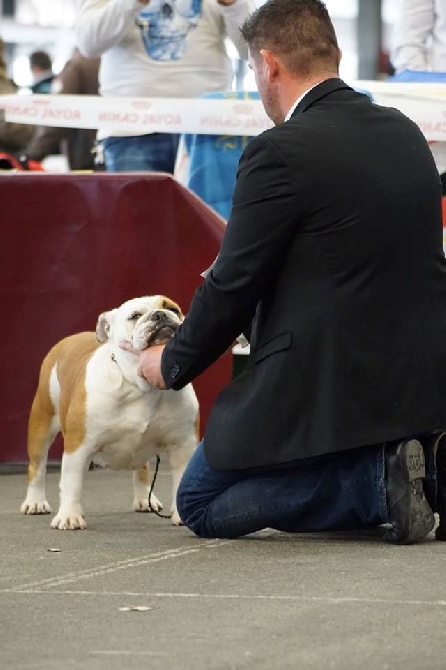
[{"x": 342, "y": 601}]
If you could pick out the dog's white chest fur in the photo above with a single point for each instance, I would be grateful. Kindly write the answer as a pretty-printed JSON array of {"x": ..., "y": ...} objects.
[{"x": 129, "y": 425}]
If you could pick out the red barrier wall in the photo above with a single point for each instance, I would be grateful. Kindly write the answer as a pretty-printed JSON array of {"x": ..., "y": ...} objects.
[{"x": 76, "y": 245}]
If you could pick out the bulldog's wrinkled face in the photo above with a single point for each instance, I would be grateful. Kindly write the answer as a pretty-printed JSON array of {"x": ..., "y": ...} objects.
[{"x": 141, "y": 321}]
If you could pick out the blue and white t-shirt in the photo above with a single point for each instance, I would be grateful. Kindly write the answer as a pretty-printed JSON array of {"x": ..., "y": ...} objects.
[
  {"x": 166, "y": 49},
  {"x": 164, "y": 26}
]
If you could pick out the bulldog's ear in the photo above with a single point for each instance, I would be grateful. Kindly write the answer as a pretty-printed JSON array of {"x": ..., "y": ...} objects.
[
  {"x": 173, "y": 307},
  {"x": 103, "y": 325}
]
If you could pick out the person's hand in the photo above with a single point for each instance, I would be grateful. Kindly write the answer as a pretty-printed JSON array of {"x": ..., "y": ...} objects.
[{"x": 149, "y": 366}]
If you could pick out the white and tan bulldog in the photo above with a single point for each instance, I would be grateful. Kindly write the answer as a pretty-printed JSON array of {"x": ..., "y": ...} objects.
[{"x": 89, "y": 390}]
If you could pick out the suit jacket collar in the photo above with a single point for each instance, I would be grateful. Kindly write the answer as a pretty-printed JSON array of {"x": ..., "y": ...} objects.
[{"x": 318, "y": 92}]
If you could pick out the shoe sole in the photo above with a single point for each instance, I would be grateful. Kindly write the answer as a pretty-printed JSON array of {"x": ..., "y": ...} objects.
[
  {"x": 440, "y": 455},
  {"x": 422, "y": 518},
  {"x": 436, "y": 443}
]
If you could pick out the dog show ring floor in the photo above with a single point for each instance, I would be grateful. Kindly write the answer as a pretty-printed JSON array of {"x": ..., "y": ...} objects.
[{"x": 133, "y": 592}]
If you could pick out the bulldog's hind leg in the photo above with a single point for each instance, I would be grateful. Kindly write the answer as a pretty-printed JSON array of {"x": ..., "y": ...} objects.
[
  {"x": 141, "y": 488},
  {"x": 43, "y": 427}
]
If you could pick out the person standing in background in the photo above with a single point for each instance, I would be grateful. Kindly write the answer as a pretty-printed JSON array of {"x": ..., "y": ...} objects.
[
  {"x": 419, "y": 44},
  {"x": 13, "y": 136},
  {"x": 42, "y": 72},
  {"x": 78, "y": 77},
  {"x": 420, "y": 36},
  {"x": 158, "y": 50}
]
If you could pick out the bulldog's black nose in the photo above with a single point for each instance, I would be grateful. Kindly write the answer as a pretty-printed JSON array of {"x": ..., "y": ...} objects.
[{"x": 158, "y": 316}]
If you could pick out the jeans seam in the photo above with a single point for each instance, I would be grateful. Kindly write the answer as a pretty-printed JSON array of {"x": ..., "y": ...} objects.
[{"x": 381, "y": 485}]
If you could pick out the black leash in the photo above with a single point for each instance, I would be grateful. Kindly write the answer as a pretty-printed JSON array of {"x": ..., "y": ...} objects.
[{"x": 152, "y": 509}]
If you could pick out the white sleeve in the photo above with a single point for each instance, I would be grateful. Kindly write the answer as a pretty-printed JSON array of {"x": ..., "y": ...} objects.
[
  {"x": 412, "y": 30},
  {"x": 234, "y": 16},
  {"x": 101, "y": 24}
]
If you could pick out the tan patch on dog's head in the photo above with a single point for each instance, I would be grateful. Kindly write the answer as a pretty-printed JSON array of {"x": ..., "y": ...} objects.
[{"x": 167, "y": 303}]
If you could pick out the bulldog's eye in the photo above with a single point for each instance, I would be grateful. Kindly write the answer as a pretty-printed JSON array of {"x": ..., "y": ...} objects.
[
  {"x": 135, "y": 316},
  {"x": 175, "y": 310}
]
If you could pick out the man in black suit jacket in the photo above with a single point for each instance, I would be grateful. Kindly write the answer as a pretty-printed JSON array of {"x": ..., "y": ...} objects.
[{"x": 333, "y": 259}]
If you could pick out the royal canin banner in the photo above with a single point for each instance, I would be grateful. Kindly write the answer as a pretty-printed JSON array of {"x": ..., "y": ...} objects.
[
  {"x": 423, "y": 103},
  {"x": 134, "y": 116}
]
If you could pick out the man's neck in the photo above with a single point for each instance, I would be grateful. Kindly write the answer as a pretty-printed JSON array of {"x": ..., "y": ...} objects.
[{"x": 302, "y": 87}]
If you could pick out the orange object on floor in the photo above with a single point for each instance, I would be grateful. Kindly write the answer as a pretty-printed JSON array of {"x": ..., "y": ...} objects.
[{"x": 11, "y": 162}]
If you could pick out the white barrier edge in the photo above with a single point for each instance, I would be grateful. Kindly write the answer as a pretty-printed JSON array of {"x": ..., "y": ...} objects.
[{"x": 425, "y": 104}]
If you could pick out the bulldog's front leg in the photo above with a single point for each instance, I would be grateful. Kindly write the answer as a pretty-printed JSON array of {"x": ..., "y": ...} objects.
[
  {"x": 141, "y": 487},
  {"x": 70, "y": 515}
]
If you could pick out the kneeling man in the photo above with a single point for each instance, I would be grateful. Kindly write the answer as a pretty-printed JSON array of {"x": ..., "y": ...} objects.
[{"x": 333, "y": 260}]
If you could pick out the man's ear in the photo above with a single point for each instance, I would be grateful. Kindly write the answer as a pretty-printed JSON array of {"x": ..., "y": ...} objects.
[
  {"x": 339, "y": 57},
  {"x": 103, "y": 325},
  {"x": 271, "y": 64}
]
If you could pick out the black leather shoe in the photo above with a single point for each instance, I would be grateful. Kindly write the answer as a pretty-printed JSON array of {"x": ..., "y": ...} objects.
[
  {"x": 440, "y": 532},
  {"x": 434, "y": 446},
  {"x": 409, "y": 512}
]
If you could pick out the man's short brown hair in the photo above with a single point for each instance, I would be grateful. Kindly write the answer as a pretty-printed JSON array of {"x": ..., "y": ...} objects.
[{"x": 299, "y": 31}]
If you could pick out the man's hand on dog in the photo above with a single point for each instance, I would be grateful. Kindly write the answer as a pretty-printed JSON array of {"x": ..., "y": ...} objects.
[{"x": 149, "y": 367}]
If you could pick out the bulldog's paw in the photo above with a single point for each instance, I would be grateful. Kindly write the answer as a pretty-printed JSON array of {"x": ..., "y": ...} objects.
[
  {"x": 176, "y": 521},
  {"x": 142, "y": 504},
  {"x": 31, "y": 506},
  {"x": 73, "y": 520}
]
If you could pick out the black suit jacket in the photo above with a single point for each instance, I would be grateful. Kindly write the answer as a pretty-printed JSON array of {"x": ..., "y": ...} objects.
[{"x": 334, "y": 249}]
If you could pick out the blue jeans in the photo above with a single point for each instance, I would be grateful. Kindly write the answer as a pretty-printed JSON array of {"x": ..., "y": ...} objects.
[
  {"x": 344, "y": 492},
  {"x": 143, "y": 153}
]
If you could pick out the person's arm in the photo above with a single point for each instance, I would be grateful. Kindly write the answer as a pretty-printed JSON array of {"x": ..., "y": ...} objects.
[
  {"x": 263, "y": 221},
  {"x": 13, "y": 136},
  {"x": 234, "y": 14},
  {"x": 45, "y": 142},
  {"x": 101, "y": 24},
  {"x": 69, "y": 81},
  {"x": 412, "y": 31}
]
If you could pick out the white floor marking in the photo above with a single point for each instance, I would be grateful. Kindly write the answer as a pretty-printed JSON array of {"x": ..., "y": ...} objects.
[
  {"x": 115, "y": 567},
  {"x": 236, "y": 596},
  {"x": 123, "y": 652}
]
